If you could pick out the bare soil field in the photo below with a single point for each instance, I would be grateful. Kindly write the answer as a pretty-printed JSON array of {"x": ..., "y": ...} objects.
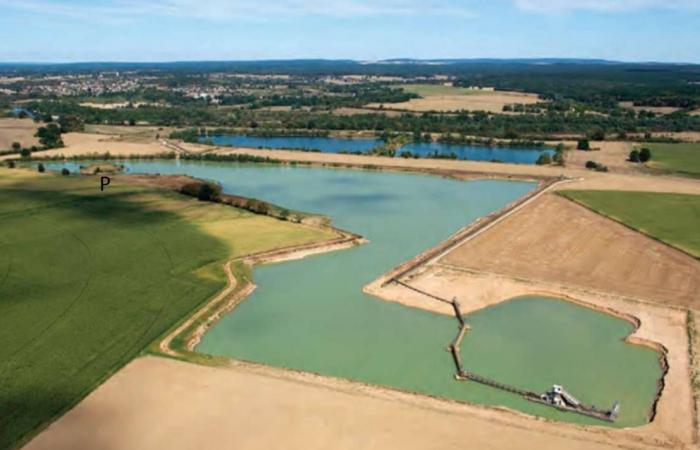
[
  {"x": 77, "y": 144},
  {"x": 163, "y": 403},
  {"x": 347, "y": 111},
  {"x": 683, "y": 136},
  {"x": 558, "y": 240},
  {"x": 613, "y": 154},
  {"x": 17, "y": 130},
  {"x": 654, "y": 109},
  {"x": 129, "y": 133},
  {"x": 491, "y": 101}
]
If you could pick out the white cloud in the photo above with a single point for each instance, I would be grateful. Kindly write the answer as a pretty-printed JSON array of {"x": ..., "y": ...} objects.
[{"x": 559, "y": 6}]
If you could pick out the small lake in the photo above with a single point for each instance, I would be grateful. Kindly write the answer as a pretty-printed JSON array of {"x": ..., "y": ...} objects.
[
  {"x": 319, "y": 143},
  {"x": 515, "y": 155},
  {"x": 312, "y": 315}
]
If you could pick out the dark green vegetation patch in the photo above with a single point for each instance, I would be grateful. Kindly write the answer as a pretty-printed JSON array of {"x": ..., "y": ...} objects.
[{"x": 672, "y": 218}]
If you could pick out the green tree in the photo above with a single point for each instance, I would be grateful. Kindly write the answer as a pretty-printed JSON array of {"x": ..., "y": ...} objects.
[
  {"x": 583, "y": 144},
  {"x": 10, "y": 164},
  {"x": 65, "y": 171},
  {"x": 41, "y": 168},
  {"x": 644, "y": 155},
  {"x": 16, "y": 146},
  {"x": 25, "y": 153},
  {"x": 634, "y": 156},
  {"x": 544, "y": 159},
  {"x": 597, "y": 135}
]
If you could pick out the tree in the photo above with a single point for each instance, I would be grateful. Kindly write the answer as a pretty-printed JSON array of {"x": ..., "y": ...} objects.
[
  {"x": 50, "y": 136},
  {"x": 10, "y": 164},
  {"x": 597, "y": 135},
  {"x": 70, "y": 122},
  {"x": 41, "y": 168},
  {"x": 634, "y": 156},
  {"x": 644, "y": 155},
  {"x": 544, "y": 159},
  {"x": 25, "y": 153},
  {"x": 583, "y": 144},
  {"x": 207, "y": 192},
  {"x": 65, "y": 172},
  {"x": 16, "y": 146}
]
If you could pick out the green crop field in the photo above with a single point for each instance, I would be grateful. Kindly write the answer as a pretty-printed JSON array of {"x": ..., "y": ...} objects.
[
  {"x": 89, "y": 279},
  {"x": 683, "y": 158},
  {"x": 672, "y": 218}
]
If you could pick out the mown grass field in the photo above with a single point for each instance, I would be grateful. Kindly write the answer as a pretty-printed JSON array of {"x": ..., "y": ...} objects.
[
  {"x": 682, "y": 158},
  {"x": 672, "y": 218},
  {"x": 89, "y": 279}
]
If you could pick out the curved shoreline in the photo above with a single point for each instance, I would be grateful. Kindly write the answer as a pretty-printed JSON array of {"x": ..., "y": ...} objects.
[{"x": 236, "y": 292}]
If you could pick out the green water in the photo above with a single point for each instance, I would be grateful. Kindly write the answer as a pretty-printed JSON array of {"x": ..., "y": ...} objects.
[{"x": 311, "y": 314}]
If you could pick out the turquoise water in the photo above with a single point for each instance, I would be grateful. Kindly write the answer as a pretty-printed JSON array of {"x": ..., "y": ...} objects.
[
  {"x": 311, "y": 314},
  {"x": 516, "y": 155}
]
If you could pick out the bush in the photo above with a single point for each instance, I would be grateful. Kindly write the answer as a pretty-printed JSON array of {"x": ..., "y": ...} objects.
[
  {"x": 583, "y": 144},
  {"x": 202, "y": 190},
  {"x": 644, "y": 155},
  {"x": 592, "y": 165},
  {"x": 65, "y": 172},
  {"x": 25, "y": 153},
  {"x": 10, "y": 164},
  {"x": 16, "y": 146},
  {"x": 207, "y": 192},
  {"x": 41, "y": 168},
  {"x": 544, "y": 159},
  {"x": 597, "y": 135},
  {"x": 634, "y": 156}
]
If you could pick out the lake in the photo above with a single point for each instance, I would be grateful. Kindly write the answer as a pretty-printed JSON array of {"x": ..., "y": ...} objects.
[
  {"x": 515, "y": 155},
  {"x": 322, "y": 144},
  {"x": 312, "y": 315}
]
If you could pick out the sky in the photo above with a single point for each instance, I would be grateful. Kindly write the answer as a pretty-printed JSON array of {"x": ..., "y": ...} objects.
[{"x": 367, "y": 30}]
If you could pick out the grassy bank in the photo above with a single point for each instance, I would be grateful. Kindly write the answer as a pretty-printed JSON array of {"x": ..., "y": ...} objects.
[
  {"x": 89, "y": 279},
  {"x": 682, "y": 158},
  {"x": 672, "y": 218}
]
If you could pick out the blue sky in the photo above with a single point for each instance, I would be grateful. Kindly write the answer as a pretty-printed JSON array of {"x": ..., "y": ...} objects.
[{"x": 174, "y": 30}]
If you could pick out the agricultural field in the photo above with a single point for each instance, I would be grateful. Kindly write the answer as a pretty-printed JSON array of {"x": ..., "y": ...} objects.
[
  {"x": 431, "y": 90},
  {"x": 682, "y": 158},
  {"x": 17, "y": 130},
  {"x": 445, "y": 98},
  {"x": 672, "y": 218},
  {"x": 89, "y": 279}
]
